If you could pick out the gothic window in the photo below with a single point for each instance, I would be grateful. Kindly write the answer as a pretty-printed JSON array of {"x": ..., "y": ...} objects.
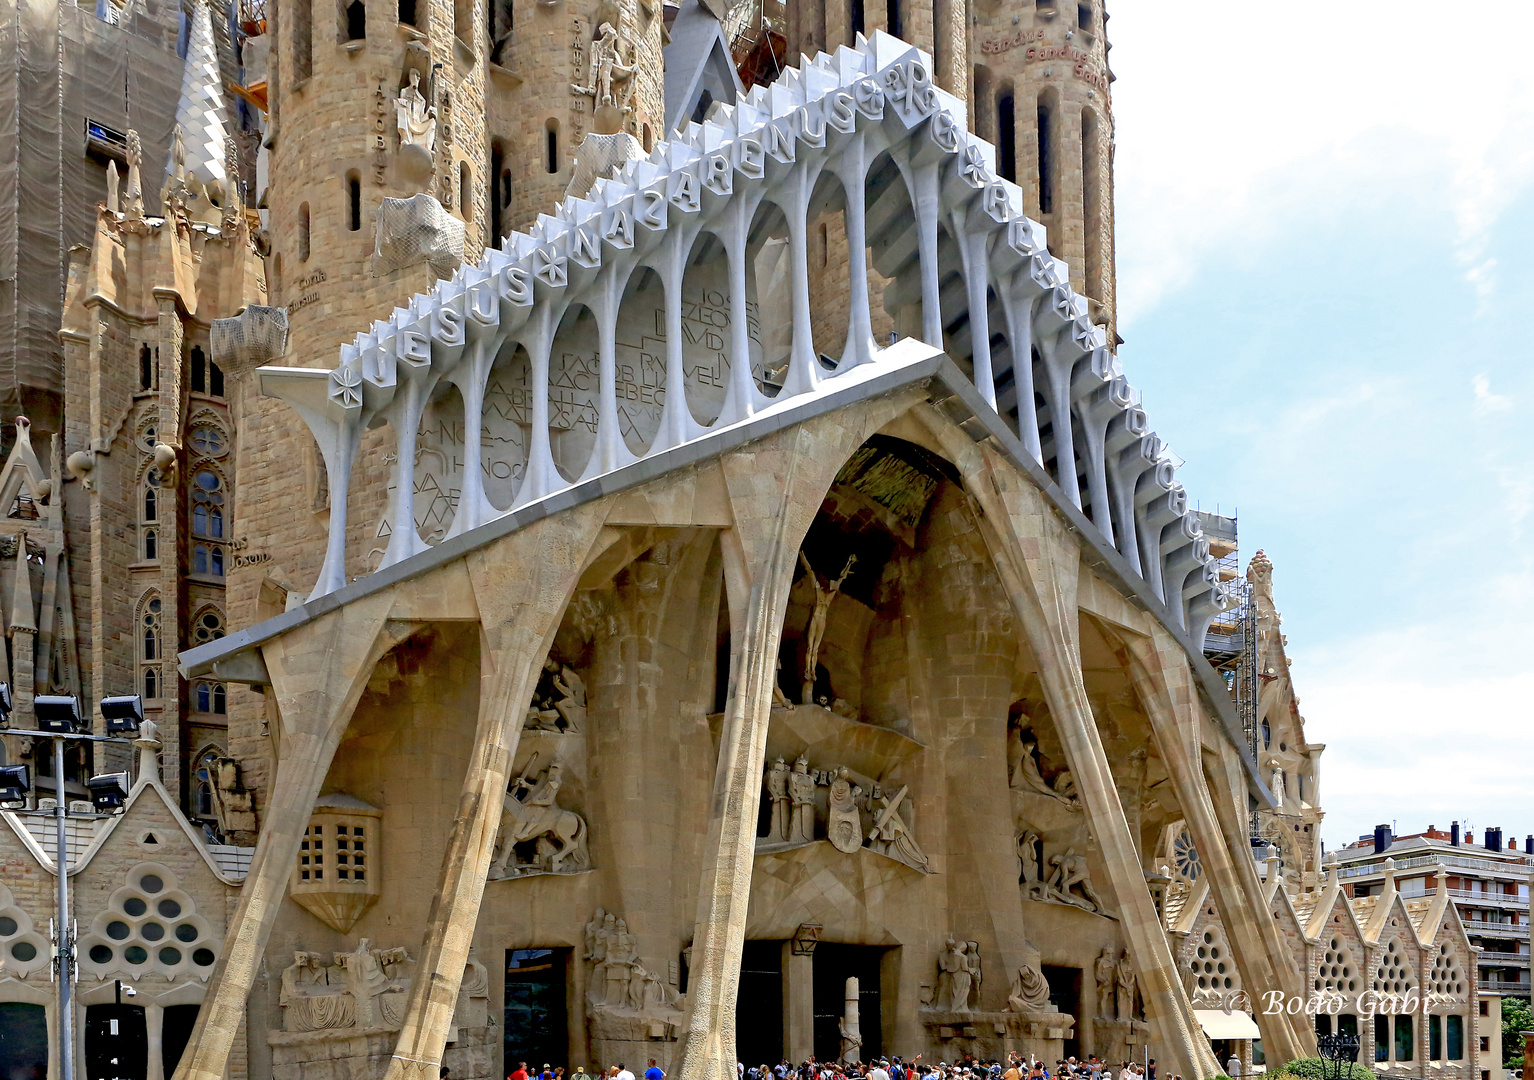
[
  {"x": 151, "y": 500},
  {"x": 1188, "y": 865},
  {"x": 1267, "y": 735},
  {"x": 208, "y": 559},
  {"x": 208, "y": 440},
  {"x": 149, "y": 646},
  {"x": 151, "y": 545},
  {"x": 1084, "y": 17},
  {"x": 356, "y": 21},
  {"x": 204, "y": 777},
  {"x": 208, "y": 506},
  {"x": 211, "y": 697}
]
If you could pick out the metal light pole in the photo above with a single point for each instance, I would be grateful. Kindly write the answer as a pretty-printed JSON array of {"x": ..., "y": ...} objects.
[{"x": 64, "y": 940}]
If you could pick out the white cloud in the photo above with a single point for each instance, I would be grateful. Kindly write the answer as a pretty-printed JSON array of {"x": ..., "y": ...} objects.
[
  {"x": 1237, "y": 128},
  {"x": 1487, "y": 402}
]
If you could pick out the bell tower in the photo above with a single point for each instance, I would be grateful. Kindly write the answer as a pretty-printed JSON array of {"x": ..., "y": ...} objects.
[{"x": 1040, "y": 93}]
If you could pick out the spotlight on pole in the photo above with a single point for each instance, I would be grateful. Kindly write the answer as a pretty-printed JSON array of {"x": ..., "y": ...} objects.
[
  {"x": 15, "y": 783},
  {"x": 108, "y": 791},
  {"x": 123, "y": 714},
  {"x": 57, "y": 714}
]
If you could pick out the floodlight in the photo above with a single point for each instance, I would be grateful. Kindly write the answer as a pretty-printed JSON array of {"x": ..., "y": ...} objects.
[
  {"x": 58, "y": 714},
  {"x": 5, "y": 703},
  {"x": 108, "y": 791},
  {"x": 15, "y": 784},
  {"x": 123, "y": 714}
]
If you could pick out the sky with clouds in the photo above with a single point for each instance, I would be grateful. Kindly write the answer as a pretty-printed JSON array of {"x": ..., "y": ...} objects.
[{"x": 1325, "y": 229}]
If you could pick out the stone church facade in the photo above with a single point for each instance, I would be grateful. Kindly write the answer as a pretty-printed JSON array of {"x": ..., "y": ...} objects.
[{"x": 628, "y": 562}]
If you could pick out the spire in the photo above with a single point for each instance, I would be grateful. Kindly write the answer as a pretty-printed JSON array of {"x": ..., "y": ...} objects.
[{"x": 200, "y": 113}]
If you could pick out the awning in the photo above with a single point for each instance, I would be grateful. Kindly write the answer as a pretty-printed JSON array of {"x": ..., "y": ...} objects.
[{"x": 1219, "y": 1024}]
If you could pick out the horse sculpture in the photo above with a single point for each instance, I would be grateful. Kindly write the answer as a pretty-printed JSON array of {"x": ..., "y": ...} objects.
[{"x": 560, "y": 835}]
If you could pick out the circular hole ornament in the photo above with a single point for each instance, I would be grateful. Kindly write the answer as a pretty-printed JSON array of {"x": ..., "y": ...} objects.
[
  {"x": 152, "y": 931},
  {"x": 135, "y": 954},
  {"x": 170, "y": 956},
  {"x": 100, "y": 954},
  {"x": 203, "y": 957},
  {"x": 117, "y": 930},
  {"x": 151, "y": 883},
  {"x": 168, "y": 908},
  {"x": 186, "y": 932},
  {"x": 135, "y": 906}
]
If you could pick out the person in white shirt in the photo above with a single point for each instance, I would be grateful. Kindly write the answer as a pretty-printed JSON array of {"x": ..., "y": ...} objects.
[
  {"x": 1233, "y": 1066},
  {"x": 878, "y": 1072},
  {"x": 623, "y": 1072}
]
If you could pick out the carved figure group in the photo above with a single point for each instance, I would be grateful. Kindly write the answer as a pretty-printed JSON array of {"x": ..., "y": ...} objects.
[
  {"x": 620, "y": 982},
  {"x": 958, "y": 977},
  {"x": 559, "y": 703},
  {"x": 854, "y": 818},
  {"x": 364, "y": 988},
  {"x": 1067, "y": 879},
  {"x": 1027, "y": 777},
  {"x": 530, "y": 812}
]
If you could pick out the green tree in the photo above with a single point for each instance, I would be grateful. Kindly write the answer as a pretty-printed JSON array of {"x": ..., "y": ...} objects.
[{"x": 1516, "y": 1019}]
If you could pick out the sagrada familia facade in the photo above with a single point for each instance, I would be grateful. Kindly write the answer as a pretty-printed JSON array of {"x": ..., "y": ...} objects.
[{"x": 634, "y": 542}]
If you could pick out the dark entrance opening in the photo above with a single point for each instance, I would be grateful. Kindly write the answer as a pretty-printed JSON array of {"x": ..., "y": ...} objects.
[
  {"x": 116, "y": 1043},
  {"x": 536, "y": 1029},
  {"x": 1065, "y": 996},
  {"x": 175, "y": 1032},
  {"x": 23, "y": 1041},
  {"x": 759, "y": 1004},
  {"x": 834, "y": 964}
]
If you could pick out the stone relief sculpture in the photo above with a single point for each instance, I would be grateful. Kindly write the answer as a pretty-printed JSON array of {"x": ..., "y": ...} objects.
[
  {"x": 362, "y": 989},
  {"x": 844, "y": 827},
  {"x": 530, "y": 813},
  {"x": 855, "y": 818},
  {"x": 956, "y": 971},
  {"x": 559, "y": 702},
  {"x": 607, "y": 70},
  {"x": 1032, "y": 877},
  {"x": 1070, "y": 872},
  {"x": 1030, "y": 991},
  {"x": 1104, "y": 971},
  {"x": 1026, "y": 775},
  {"x": 473, "y": 1008},
  {"x": 815, "y": 633},
  {"x": 801, "y": 791},
  {"x": 1124, "y": 975},
  {"x": 891, "y": 837},
  {"x": 623, "y": 994},
  {"x": 415, "y": 118},
  {"x": 851, "y": 1031},
  {"x": 777, "y": 791}
]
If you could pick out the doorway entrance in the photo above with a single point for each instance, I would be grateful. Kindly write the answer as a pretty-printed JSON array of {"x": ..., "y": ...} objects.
[
  {"x": 175, "y": 1032},
  {"x": 759, "y": 1004},
  {"x": 834, "y": 964},
  {"x": 536, "y": 1030},
  {"x": 1065, "y": 996},
  {"x": 23, "y": 1041},
  {"x": 116, "y": 1043}
]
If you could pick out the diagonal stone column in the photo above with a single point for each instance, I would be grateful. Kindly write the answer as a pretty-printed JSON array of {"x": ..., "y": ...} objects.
[
  {"x": 1159, "y": 670},
  {"x": 318, "y": 673},
  {"x": 1040, "y": 565},
  {"x": 521, "y": 586},
  {"x": 775, "y": 488}
]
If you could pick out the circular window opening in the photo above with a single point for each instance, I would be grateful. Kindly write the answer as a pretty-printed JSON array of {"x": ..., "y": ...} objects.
[
  {"x": 135, "y": 906},
  {"x": 170, "y": 955},
  {"x": 7, "y": 926},
  {"x": 135, "y": 954},
  {"x": 117, "y": 930},
  {"x": 151, "y": 883},
  {"x": 203, "y": 958},
  {"x": 186, "y": 932},
  {"x": 100, "y": 954},
  {"x": 24, "y": 951},
  {"x": 152, "y": 931},
  {"x": 168, "y": 908}
]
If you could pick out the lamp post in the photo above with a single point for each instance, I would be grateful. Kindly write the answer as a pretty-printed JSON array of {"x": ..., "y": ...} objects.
[
  {"x": 58, "y": 718},
  {"x": 1338, "y": 1053}
]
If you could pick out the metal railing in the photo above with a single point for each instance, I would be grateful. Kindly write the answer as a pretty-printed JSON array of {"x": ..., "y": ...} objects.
[
  {"x": 1518, "y": 866},
  {"x": 1490, "y": 957}
]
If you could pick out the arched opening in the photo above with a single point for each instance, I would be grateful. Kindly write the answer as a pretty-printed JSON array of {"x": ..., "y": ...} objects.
[
  {"x": 465, "y": 191},
  {"x": 573, "y": 390},
  {"x": 303, "y": 232},
  {"x": 769, "y": 280},
  {"x": 438, "y": 463},
  {"x": 203, "y": 802},
  {"x": 1006, "y": 133},
  {"x": 641, "y": 359},
  {"x": 149, "y": 645},
  {"x": 707, "y": 321},
  {"x": 463, "y": 21},
  {"x": 500, "y": 190},
  {"x": 24, "y": 1038},
  {"x": 199, "y": 370},
  {"x": 855, "y": 17},
  {"x": 407, "y": 12},
  {"x": 145, "y": 368},
  {"x": 303, "y": 40},
  {"x": 1091, "y": 163},
  {"x": 116, "y": 1041},
  {"x": 1046, "y": 135},
  {"x": 646, "y": 137},
  {"x": 551, "y": 145},
  {"x": 507, "y": 423},
  {"x": 354, "y": 201},
  {"x": 500, "y": 20},
  {"x": 356, "y": 21},
  {"x": 894, "y": 22}
]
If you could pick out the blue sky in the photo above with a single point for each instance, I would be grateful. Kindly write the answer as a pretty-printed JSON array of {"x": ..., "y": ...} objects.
[{"x": 1326, "y": 277}]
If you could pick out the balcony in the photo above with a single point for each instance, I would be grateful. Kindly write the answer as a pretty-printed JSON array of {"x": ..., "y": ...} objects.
[
  {"x": 1475, "y": 928},
  {"x": 1516, "y": 868},
  {"x": 1490, "y": 899},
  {"x": 1519, "y": 959},
  {"x": 1504, "y": 986}
]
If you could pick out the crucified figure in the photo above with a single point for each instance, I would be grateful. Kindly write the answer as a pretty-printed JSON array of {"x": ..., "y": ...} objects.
[{"x": 817, "y": 628}]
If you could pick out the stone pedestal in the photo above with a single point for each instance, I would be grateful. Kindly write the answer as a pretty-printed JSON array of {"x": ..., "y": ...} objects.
[
  {"x": 994, "y": 1035},
  {"x": 1120, "y": 1040}
]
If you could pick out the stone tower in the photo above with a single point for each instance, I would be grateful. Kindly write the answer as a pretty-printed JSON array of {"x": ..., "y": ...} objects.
[{"x": 1040, "y": 93}]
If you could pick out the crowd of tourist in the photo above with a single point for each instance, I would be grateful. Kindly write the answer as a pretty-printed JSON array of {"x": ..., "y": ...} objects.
[{"x": 1016, "y": 1067}]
